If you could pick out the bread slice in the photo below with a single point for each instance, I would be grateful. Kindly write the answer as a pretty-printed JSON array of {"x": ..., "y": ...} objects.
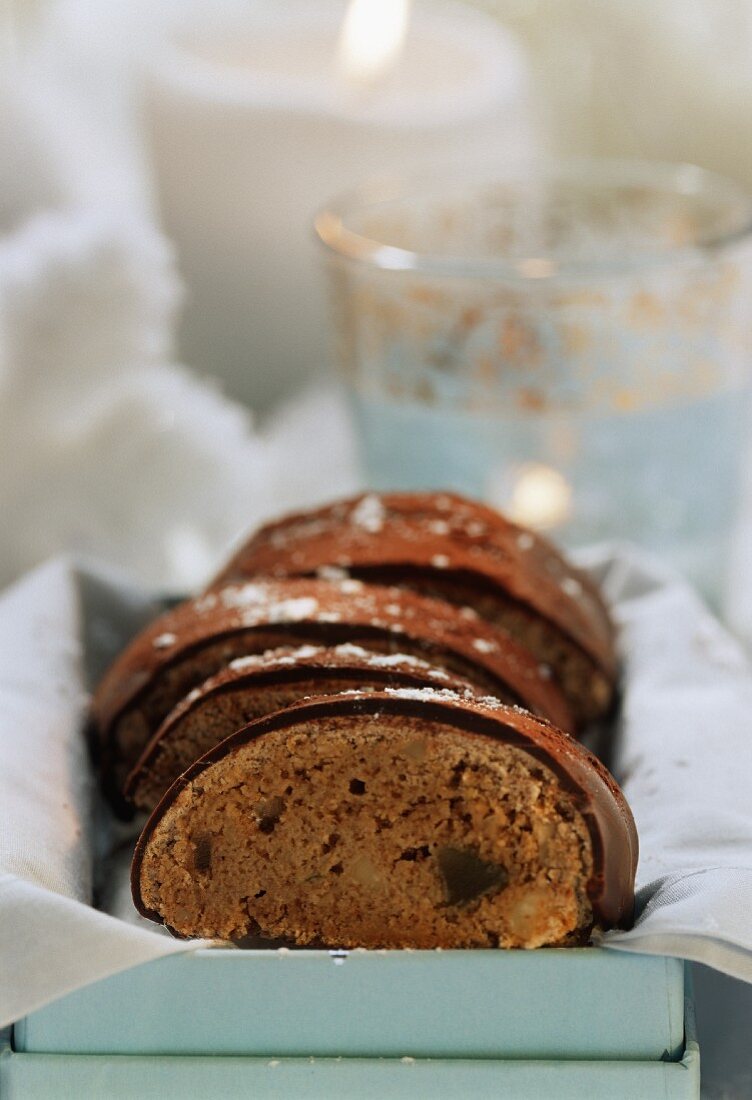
[
  {"x": 405, "y": 818},
  {"x": 251, "y": 687},
  {"x": 197, "y": 639},
  {"x": 445, "y": 546}
]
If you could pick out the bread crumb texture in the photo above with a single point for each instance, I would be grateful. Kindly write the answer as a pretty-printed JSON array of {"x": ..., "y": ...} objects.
[{"x": 381, "y": 832}]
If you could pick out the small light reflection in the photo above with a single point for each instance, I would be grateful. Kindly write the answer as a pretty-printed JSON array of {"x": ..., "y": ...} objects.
[{"x": 541, "y": 497}]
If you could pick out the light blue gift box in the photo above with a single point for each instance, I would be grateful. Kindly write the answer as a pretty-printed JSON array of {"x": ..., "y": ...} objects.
[{"x": 507, "y": 1024}]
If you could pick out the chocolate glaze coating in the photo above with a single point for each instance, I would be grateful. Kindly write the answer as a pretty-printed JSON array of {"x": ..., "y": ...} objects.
[
  {"x": 313, "y": 668},
  {"x": 269, "y": 614},
  {"x": 396, "y": 537},
  {"x": 597, "y": 795}
]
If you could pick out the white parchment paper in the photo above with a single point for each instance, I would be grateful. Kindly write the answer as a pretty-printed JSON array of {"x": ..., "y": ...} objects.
[{"x": 684, "y": 756}]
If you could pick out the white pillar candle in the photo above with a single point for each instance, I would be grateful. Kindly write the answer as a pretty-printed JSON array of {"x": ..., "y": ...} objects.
[{"x": 257, "y": 117}]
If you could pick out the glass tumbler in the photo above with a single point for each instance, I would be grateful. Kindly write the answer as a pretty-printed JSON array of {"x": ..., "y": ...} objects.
[{"x": 572, "y": 346}]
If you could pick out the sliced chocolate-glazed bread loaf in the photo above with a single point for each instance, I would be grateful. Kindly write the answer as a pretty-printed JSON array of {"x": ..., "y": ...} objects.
[
  {"x": 253, "y": 686},
  {"x": 445, "y": 546},
  {"x": 405, "y": 818},
  {"x": 200, "y": 637}
]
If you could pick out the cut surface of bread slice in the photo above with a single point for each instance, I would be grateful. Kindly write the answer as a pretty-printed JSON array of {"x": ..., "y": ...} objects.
[
  {"x": 446, "y": 546},
  {"x": 405, "y": 818},
  {"x": 200, "y": 637},
  {"x": 253, "y": 686}
]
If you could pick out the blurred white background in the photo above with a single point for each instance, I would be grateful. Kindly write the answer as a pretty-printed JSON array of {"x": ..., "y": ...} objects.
[{"x": 161, "y": 165}]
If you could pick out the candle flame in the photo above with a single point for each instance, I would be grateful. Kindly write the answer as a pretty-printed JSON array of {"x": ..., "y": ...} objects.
[{"x": 371, "y": 40}]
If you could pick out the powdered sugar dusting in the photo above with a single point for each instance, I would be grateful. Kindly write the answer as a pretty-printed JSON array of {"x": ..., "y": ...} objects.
[
  {"x": 426, "y": 694},
  {"x": 164, "y": 641},
  {"x": 369, "y": 514},
  {"x": 246, "y": 595},
  {"x": 350, "y": 586},
  {"x": 440, "y": 561},
  {"x": 388, "y": 660},
  {"x": 447, "y": 695},
  {"x": 331, "y": 573},
  {"x": 525, "y": 541},
  {"x": 205, "y": 603},
  {"x": 273, "y": 656},
  {"x": 304, "y": 652},
  {"x": 466, "y": 697},
  {"x": 292, "y": 610},
  {"x": 484, "y": 646},
  {"x": 240, "y": 664},
  {"x": 393, "y": 660},
  {"x": 438, "y": 527},
  {"x": 346, "y": 651},
  {"x": 492, "y": 703}
]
